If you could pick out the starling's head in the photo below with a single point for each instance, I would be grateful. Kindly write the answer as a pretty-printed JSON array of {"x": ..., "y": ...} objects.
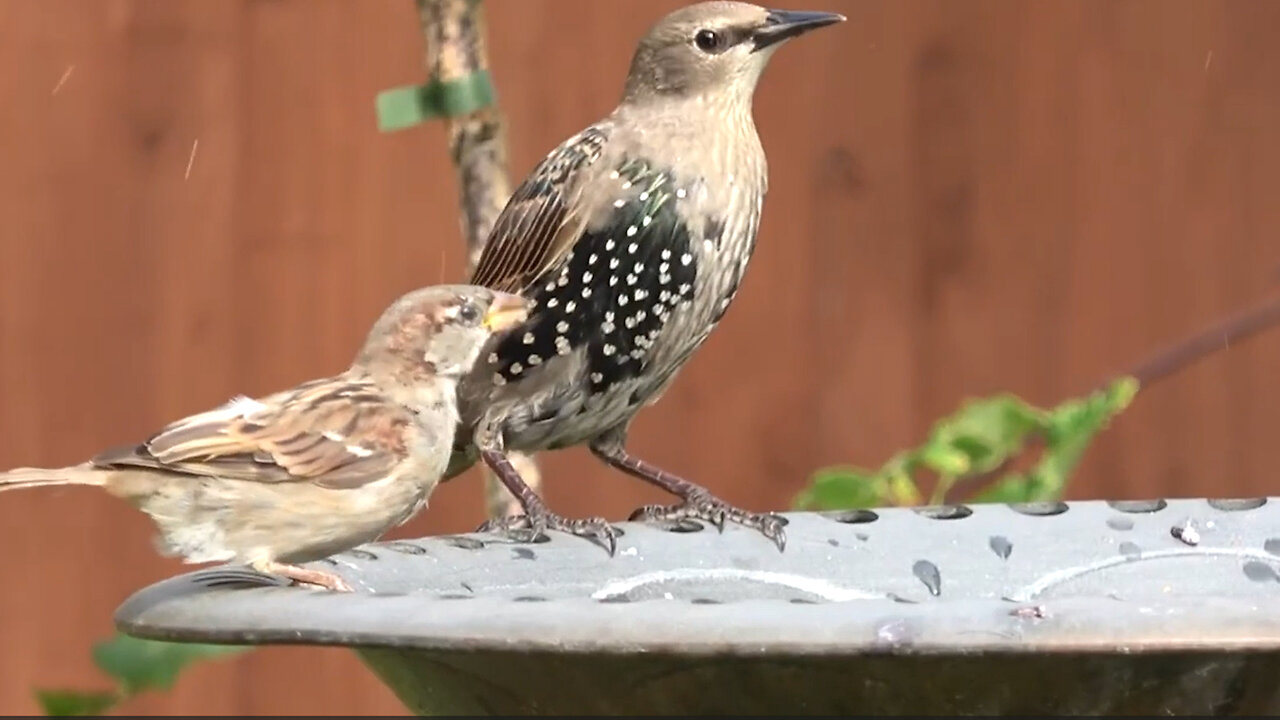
[
  {"x": 439, "y": 330},
  {"x": 713, "y": 48}
]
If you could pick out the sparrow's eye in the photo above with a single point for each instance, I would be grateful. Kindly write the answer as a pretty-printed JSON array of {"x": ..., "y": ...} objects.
[
  {"x": 468, "y": 313},
  {"x": 710, "y": 41}
]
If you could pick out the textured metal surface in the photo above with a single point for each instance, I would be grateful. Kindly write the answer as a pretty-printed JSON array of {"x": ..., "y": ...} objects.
[{"x": 1181, "y": 597}]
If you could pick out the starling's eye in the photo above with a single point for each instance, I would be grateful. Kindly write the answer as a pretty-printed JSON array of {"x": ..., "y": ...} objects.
[
  {"x": 468, "y": 313},
  {"x": 710, "y": 41}
]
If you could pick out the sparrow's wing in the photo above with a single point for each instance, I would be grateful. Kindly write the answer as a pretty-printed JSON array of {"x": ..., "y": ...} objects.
[
  {"x": 539, "y": 222},
  {"x": 337, "y": 433}
]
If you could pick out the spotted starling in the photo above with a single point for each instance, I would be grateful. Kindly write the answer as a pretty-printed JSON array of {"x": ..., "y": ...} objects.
[{"x": 631, "y": 239}]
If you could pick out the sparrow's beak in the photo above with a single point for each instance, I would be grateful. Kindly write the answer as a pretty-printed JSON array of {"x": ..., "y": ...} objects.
[
  {"x": 506, "y": 311},
  {"x": 784, "y": 24}
]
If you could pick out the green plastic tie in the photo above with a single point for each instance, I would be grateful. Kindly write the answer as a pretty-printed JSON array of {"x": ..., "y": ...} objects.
[{"x": 411, "y": 105}]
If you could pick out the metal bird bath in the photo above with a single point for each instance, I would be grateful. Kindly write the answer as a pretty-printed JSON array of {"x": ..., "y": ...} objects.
[{"x": 1087, "y": 608}]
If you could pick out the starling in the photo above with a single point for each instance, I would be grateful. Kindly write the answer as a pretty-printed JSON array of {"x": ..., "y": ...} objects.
[
  {"x": 325, "y": 466},
  {"x": 630, "y": 239}
]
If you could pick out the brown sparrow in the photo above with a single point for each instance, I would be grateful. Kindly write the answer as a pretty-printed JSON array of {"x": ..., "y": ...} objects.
[{"x": 325, "y": 466}]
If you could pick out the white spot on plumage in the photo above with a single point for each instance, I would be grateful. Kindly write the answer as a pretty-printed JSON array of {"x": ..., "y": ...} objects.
[
  {"x": 570, "y": 306},
  {"x": 597, "y": 377},
  {"x": 528, "y": 338},
  {"x": 613, "y": 263},
  {"x": 614, "y": 175},
  {"x": 562, "y": 345},
  {"x": 550, "y": 287},
  {"x": 586, "y": 292},
  {"x": 632, "y": 248},
  {"x": 685, "y": 259},
  {"x": 564, "y": 280},
  {"x": 626, "y": 184},
  {"x": 608, "y": 244},
  {"x": 535, "y": 359},
  {"x": 516, "y": 368},
  {"x": 640, "y": 316},
  {"x": 664, "y": 267},
  {"x": 630, "y": 322},
  {"x": 493, "y": 358},
  {"x": 623, "y": 300},
  {"x": 639, "y": 266},
  {"x": 562, "y": 327},
  {"x": 552, "y": 302},
  {"x": 619, "y": 203},
  {"x": 631, "y": 279},
  {"x": 664, "y": 296},
  {"x": 613, "y": 280},
  {"x": 684, "y": 288},
  {"x": 632, "y": 230},
  {"x": 647, "y": 219},
  {"x": 637, "y": 354},
  {"x": 680, "y": 193},
  {"x": 498, "y": 379},
  {"x": 607, "y": 327},
  {"x": 664, "y": 278},
  {"x": 608, "y": 349},
  {"x": 666, "y": 254},
  {"x": 644, "y": 196},
  {"x": 641, "y": 293},
  {"x": 586, "y": 277},
  {"x": 591, "y": 259}
]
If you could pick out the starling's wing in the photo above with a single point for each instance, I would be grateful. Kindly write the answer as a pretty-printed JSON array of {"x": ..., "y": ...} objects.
[
  {"x": 539, "y": 222},
  {"x": 337, "y": 433}
]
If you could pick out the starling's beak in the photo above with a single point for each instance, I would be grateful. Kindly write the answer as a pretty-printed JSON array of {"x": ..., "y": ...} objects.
[
  {"x": 506, "y": 311},
  {"x": 784, "y": 24}
]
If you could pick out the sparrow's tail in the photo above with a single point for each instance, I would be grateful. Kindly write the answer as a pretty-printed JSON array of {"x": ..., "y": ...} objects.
[{"x": 38, "y": 477}]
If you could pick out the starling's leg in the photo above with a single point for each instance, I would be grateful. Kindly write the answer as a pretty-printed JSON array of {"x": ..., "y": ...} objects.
[
  {"x": 698, "y": 503},
  {"x": 537, "y": 518},
  {"x": 302, "y": 576}
]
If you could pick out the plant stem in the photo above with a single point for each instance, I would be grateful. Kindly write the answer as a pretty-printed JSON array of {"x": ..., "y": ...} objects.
[
  {"x": 1165, "y": 362},
  {"x": 1221, "y": 335},
  {"x": 455, "y": 48}
]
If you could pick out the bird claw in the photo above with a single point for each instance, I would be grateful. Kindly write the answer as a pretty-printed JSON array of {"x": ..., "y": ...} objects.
[
  {"x": 708, "y": 508},
  {"x": 528, "y": 528}
]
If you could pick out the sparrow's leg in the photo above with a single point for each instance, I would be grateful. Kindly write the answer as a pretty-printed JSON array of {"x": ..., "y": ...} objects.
[
  {"x": 537, "y": 518},
  {"x": 699, "y": 503},
  {"x": 319, "y": 578}
]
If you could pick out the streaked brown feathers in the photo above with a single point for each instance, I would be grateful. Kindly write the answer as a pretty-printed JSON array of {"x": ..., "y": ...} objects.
[{"x": 337, "y": 433}]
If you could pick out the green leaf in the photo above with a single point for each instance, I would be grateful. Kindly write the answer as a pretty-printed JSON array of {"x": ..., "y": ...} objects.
[
  {"x": 75, "y": 702},
  {"x": 985, "y": 432},
  {"x": 842, "y": 488},
  {"x": 138, "y": 664},
  {"x": 1069, "y": 429}
]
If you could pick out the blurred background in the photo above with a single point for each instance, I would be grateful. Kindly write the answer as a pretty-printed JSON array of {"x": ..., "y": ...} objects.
[{"x": 966, "y": 198}]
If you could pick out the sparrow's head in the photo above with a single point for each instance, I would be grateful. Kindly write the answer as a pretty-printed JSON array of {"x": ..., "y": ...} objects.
[
  {"x": 439, "y": 330},
  {"x": 713, "y": 50}
]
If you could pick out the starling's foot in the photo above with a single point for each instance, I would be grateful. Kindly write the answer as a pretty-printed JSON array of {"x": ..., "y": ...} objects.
[
  {"x": 702, "y": 505},
  {"x": 303, "y": 576},
  {"x": 527, "y": 528}
]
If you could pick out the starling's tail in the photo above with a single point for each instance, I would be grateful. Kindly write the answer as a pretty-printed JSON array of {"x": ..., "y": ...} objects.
[{"x": 38, "y": 477}]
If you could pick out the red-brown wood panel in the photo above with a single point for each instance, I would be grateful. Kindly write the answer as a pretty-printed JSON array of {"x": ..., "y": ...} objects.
[{"x": 968, "y": 197}]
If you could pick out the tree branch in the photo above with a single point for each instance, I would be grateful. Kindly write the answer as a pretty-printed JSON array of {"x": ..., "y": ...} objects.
[{"x": 455, "y": 49}]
